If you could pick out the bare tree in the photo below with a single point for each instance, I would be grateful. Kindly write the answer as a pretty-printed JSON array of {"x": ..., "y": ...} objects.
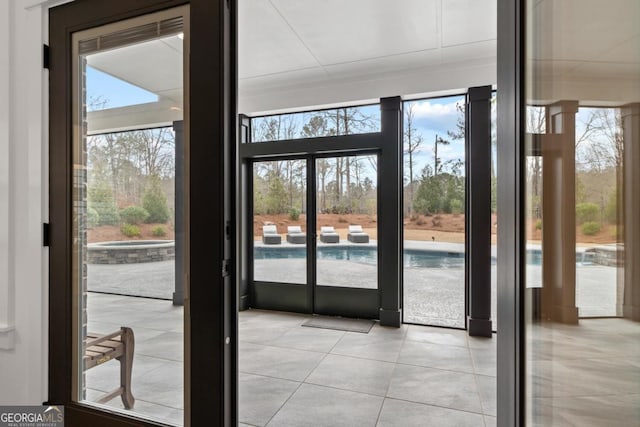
[
  {"x": 437, "y": 165},
  {"x": 412, "y": 142},
  {"x": 155, "y": 149}
]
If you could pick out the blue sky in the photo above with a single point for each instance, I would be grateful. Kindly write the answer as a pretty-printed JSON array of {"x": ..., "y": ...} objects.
[
  {"x": 116, "y": 92},
  {"x": 432, "y": 116},
  {"x": 435, "y": 117}
]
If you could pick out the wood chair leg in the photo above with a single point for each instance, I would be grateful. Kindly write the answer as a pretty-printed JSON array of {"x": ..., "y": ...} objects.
[{"x": 126, "y": 364}]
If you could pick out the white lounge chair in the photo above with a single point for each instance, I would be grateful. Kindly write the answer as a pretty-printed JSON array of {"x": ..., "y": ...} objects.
[
  {"x": 270, "y": 235},
  {"x": 295, "y": 235},
  {"x": 328, "y": 235},
  {"x": 356, "y": 235}
]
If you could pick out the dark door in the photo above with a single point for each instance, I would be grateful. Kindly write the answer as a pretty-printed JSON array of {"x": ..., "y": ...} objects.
[
  {"x": 315, "y": 234},
  {"x": 128, "y": 79}
]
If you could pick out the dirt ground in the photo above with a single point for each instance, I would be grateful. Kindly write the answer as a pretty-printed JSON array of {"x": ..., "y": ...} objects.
[
  {"x": 606, "y": 235},
  {"x": 108, "y": 233},
  {"x": 439, "y": 228}
]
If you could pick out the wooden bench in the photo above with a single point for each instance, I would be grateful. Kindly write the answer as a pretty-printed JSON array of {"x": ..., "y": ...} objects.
[{"x": 118, "y": 345}]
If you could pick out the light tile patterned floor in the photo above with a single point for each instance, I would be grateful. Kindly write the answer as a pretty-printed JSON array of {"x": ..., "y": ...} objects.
[{"x": 292, "y": 375}]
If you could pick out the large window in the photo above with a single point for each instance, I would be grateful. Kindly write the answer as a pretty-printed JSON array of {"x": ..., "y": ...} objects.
[
  {"x": 582, "y": 287},
  {"x": 313, "y": 124},
  {"x": 434, "y": 212}
]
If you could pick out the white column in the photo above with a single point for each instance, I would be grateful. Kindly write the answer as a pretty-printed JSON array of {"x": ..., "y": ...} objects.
[
  {"x": 23, "y": 204},
  {"x": 6, "y": 272},
  {"x": 631, "y": 186}
]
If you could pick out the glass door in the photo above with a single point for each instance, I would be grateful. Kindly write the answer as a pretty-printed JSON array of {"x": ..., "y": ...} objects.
[
  {"x": 280, "y": 256},
  {"x": 332, "y": 269},
  {"x": 128, "y": 154},
  {"x": 346, "y": 228}
]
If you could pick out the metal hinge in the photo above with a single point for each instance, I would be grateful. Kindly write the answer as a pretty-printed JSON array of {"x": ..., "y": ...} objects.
[
  {"x": 45, "y": 56},
  {"x": 226, "y": 267},
  {"x": 46, "y": 235}
]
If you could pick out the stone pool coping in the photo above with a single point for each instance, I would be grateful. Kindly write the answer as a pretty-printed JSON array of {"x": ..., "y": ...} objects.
[{"x": 130, "y": 251}]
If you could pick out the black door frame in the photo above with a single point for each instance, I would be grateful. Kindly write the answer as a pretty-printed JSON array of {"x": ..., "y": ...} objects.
[
  {"x": 210, "y": 303},
  {"x": 309, "y": 297},
  {"x": 511, "y": 197},
  {"x": 388, "y": 144},
  {"x": 211, "y": 76}
]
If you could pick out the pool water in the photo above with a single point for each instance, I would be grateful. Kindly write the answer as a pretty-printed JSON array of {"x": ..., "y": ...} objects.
[
  {"x": 412, "y": 258},
  {"x": 366, "y": 255}
]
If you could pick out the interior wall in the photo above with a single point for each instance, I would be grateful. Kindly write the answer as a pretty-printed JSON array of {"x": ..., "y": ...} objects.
[{"x": 23, "y": 203}]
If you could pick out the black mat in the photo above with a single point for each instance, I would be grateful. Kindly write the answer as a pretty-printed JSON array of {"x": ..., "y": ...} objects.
[{"x": 340, "y": 324}]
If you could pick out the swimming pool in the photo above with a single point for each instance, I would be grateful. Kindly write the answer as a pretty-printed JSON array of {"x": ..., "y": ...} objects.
[{"x": 413, "y": 258}]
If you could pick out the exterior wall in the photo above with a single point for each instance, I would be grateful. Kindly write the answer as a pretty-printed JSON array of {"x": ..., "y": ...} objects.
[{"x": 23, "y": 203}]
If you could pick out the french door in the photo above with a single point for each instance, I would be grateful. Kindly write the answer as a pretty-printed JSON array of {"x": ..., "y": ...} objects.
[
  {"x": 129, "y": 78},
  {"x": 315, "y": 227}
]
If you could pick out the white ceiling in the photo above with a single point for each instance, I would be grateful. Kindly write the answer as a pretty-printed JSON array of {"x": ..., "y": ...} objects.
[
  {"x": 155, "y": 66},
  {"x": 588, "y": 50},
  {"x": 302, "y": 53},
  {"x": 293, "y": 51}
]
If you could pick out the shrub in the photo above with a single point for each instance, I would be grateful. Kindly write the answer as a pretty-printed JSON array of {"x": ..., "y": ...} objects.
[
  {"x": 93, "y": 219},
  {"x": 538, "y": 224},
  {"x": 130, "y": 230},
  {"x": 611, "y": 210},
  {"x": 159, "y": 231},
  {"x": 100, "y": 198},
  {"x": 294, "y": 214},
  {"x": 155, "y": 202},
  {"x": 134, "y": 215},
  {"x": 457, "y": 207},
  {"x": 342, "y": 220},
  {"x": 590, "y": 228},
  {"x": 587, "y": 212}
]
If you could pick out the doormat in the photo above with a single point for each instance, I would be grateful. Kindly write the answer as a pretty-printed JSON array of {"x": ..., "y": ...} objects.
[{"x": 340, "y": 324}]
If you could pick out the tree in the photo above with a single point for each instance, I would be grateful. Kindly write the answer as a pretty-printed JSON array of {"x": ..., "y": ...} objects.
[
  {"x": 100, "y": 199},
  {"x": 437, "y": 167},
  {"x": 155, "y": 151},
  {"x": 459, "y": 131},
  {"x": 412, "y": 142},
  {"x": 601, "y": 152},
  {"x": 276, "y": 197},
  {"x": 155, "y": 202}
]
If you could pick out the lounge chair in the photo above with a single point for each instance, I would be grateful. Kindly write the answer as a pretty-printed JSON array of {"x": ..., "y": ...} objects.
[
  {"x": 295, "y": 235},
  {"x": 356, "y": 235},
  {"x": 270, "y": 235},
  {"x": 328, "y": 235}
]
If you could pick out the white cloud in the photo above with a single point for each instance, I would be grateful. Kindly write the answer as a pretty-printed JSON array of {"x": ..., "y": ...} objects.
[
  {"x": 427, "y": 109},
  {"x": 438, "y": 117}
]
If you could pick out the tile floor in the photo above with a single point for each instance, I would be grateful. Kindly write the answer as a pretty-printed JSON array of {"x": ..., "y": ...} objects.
[{"x": 291, "y": 375}]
